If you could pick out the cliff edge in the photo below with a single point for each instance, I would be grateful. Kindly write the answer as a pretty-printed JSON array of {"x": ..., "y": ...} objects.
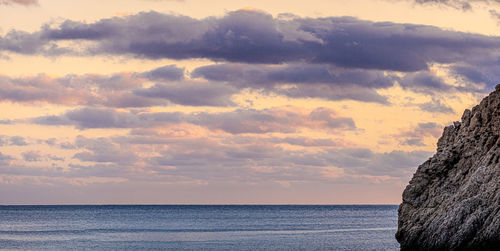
[{"x": 453, "y": 199}]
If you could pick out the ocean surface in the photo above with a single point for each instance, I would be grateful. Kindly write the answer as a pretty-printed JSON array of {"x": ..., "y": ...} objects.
[{"x": 198, "y": 227}]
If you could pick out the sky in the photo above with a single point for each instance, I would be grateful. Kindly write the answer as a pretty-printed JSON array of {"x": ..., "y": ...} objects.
[{"x": 233, "y": 102}]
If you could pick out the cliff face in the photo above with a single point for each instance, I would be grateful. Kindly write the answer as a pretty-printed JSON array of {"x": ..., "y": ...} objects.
[{"x": 453, "y": 199}]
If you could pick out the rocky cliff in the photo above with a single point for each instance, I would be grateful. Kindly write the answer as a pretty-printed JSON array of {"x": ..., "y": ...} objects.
[{"x": 453, "y": 199}]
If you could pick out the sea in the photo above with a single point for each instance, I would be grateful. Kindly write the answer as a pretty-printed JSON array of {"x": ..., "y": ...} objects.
[{"x": 199, "y": 227}]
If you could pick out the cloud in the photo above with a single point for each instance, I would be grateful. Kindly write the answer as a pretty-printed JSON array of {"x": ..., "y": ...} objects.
[
  {"x": 168, "y": 73},
  {"x": 256, "y": 37},
  {"x": 5, "y": 159},
  {"x": 216, "y": 85},
  {"x": 435, "y": 106},
  {"x": 425, "y": 82},
  {"x": 364, "y": 161},
  {"x": 12, "y": 141},
  {"x": 18, "y": 141},
  {"x": 494, "y": 14},
  {"x": 414, "y": 136},
  {"x": 278, "y": 119},
  {"x": 480, "y": 74},
  {"x": 103, "y": 150},
  {"x": 412, "y": 142},
  {"x": 464, "y": 5},
  {"x": 165, "y": 154},
  {"x": 192, "y": 94},
  {"x": 93, "y": 118},
  {"x": 285, "y": 120},
  {"x": 459, "y": 4},
  {"x": 21, "y": 2},
  {"x": 127, "y": 89},
  {"x": 309, "y": 81},
  {"x": 31, "y": 156}
]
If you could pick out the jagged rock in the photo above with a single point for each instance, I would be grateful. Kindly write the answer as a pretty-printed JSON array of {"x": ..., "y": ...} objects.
[{"x": 453, "y": 199}]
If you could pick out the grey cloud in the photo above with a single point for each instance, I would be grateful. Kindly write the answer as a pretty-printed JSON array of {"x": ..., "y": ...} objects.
[
  {"x": 6, "y": 122},
  {"x": 494, "y": 14},
  {"x": 480, "y": 75},
  {"x": 459, "y": 4},
  {"x": 3, "y": 140},
  {"x": 425, "y": 82},
  {"x": 192, "y": 94},
  {"x": 310, "y": 81},
  {"x": 265, "y": 75},
  {"x": 364, "y": 161},
  {"x": 17, "y": 141},
  {"x": 235, "y": 122},
  {"x": 87, "y": 118},
  {"x": 31, "y": 156},
  {"x": 304, "y": 141},
  {"x": 415, "y": 135},
  {"x": 329, "y": 92},
  {"x": 92, "y": 118},
  {"x": 273, "y": 120},
  {"x": 257, "y": 37},
  {"x": 221, "y": 82},
  {"x": 426, "y": 129},
  {"x": 412, "y": 142},
  {"x": 236, "y": 158},
  {"x": 21, "y": 2},
  {"x": 67, "y": 145},
  {"x": 435, "y": 106},
  {"x": 102, "y": 118},
  {"x": 103, "y": 150},
  {"x": 40, "y": 89},
  {"x": 12, "y": 141},
  {"x": 191, "y": 159},
  {"x": 168, "y": 73},
  {"x": 4, "y": 159},
  {"x": 116, "y": 90},
  {"x": 51, "y": 120},
  {"x": 472, "y": 74}
]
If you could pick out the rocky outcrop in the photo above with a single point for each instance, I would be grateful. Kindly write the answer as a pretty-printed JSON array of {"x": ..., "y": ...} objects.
[{"x": 453, "y": 199}]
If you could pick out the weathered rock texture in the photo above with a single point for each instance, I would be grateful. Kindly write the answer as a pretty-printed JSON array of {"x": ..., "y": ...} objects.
[{"x": 453, "y": 199}]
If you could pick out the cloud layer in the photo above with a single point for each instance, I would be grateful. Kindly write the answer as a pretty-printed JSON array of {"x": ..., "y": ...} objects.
[
  {"x": 257, "y": 37},
  {"x": 279, "y": 101}
]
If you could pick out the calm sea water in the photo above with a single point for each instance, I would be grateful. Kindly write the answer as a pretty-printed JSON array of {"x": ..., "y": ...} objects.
[{"x": 198, "y": 227}]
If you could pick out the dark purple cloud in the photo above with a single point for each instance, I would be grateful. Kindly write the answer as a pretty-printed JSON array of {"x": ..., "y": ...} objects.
[
  {"x": 425, "y": 82},
  {"x": 165, "y": 73},
  {"x": 257, "y": 37},
  {"x": 310, "y": 81},
  {"x": 482, "y": 74}
]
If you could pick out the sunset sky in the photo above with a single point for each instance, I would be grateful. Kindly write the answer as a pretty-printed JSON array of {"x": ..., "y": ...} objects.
[{"x": 232, "y": 101}]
